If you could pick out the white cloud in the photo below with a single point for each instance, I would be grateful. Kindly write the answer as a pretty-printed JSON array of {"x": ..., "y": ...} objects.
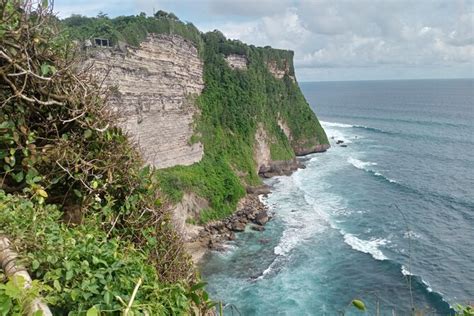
[
  {"x": 357, "y": 37},
  {"x": 368, "y": 35}
]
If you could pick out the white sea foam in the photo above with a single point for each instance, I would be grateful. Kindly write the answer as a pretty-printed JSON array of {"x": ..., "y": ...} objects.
[
  {"x": 311, "y": 217},
  {"x": 367, "y": 246},
  {"x": 411, "y": 234}
]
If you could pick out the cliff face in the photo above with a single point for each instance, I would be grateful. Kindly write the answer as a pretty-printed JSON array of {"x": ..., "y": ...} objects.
[
  {"x": 155, "y": 87},
  {"x": 213, "y": 114}
]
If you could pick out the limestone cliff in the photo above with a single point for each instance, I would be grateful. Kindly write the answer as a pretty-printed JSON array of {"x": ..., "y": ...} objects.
[
  {"x": 212, "y": 114},
  {"x": 154, "y": 89}
]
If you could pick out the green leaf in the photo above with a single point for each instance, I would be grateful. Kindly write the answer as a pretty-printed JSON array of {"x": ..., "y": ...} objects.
[
  {"x": 198, "y": 286},
  {"x": 107, "y": 298},
  {"x": 359, "y": 305},
  {"x": 18, "y": 176},
  {"x": 87, "y": 133},
  {"x": 13, "y": 287},
  {"x": 35, "y": 265},
  {"x": 44, "y": 69},
  {"x": 69, "y": 275},
  {"x": 93, "y": 311},
  {"x": 195, "y": 298},
  {"x": 57, "y": 286},
  {"x": 44, "y": 3},
  {"x": 5, "y": 305},
  {"x": 42, "y": 193}
]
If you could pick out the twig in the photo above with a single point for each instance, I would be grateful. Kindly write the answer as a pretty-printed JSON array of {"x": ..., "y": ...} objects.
[
  {"x": 23, "y": 71},
  {"x": 135, "y": 290}
]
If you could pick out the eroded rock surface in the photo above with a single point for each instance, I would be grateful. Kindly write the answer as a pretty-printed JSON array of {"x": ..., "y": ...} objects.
[
  {"x": 185, "y": 213},
  {"x": 156, "y": 85},
  {"x": 267, "y": 167}
]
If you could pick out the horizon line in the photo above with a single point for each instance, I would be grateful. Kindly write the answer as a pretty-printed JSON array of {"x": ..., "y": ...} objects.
[{"x": 395, "y": 79}]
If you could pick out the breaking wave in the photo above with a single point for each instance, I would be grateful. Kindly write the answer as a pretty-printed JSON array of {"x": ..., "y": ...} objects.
[
  {"x": 342, "y": 125},
  {"x": 367, "y": 246},
  {"x": 364, "y": 165}
]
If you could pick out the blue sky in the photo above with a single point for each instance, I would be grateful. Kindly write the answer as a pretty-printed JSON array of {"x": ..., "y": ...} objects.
[{"x": 332, "y": 40}]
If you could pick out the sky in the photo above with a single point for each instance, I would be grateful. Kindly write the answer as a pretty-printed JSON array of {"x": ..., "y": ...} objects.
[{"x": 332, "y": 39}]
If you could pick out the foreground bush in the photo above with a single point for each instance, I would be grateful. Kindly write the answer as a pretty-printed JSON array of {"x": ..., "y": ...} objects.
[{"x": 87, "y": 218}]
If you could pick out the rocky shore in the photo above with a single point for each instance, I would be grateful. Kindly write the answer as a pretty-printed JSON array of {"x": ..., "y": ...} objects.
[{"x": 250, "y": 211}]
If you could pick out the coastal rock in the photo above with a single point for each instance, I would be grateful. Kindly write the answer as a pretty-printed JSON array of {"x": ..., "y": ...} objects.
[
  {"x": 258, "y": 190},
  {"x": 304, "y": 150},
  {"x": 258, "y": 228},
  {"x": 238, "y": 226},
  {"x": 340, "y": 142},
  {"x": 262, "y": 218},
  {"x": 231, "y": 236}
]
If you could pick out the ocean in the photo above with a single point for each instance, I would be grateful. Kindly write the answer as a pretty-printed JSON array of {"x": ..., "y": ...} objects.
[{"x": 389, "y": 219}]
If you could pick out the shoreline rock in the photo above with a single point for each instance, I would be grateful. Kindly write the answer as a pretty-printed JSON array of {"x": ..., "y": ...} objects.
[
  {"x": 250, "y": 211},
  {"x": 214, "y": 234}
]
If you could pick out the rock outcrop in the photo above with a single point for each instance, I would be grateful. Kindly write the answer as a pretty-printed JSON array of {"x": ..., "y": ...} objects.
[
  {"x": 267, "y": 167},
  {"x": 237, "y": 61},
  {"x": 154, "y": 87},
  {"x": 280, "y": 71},
  {"x": 284, "y": 127},
  {"x": 185, "y": 213},
  {"x": 305, "y": 150}
]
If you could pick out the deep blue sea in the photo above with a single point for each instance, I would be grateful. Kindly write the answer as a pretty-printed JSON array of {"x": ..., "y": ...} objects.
[{"x": 389, "y": 219}]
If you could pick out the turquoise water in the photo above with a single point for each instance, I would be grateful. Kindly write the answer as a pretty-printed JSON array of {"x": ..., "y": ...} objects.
[{"x": 393, "y": 208}]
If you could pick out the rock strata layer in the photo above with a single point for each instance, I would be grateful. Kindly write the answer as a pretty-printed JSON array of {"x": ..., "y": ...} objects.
[
  {"x": 237, "y": 61},
  {"x": 154, "y": 87}
]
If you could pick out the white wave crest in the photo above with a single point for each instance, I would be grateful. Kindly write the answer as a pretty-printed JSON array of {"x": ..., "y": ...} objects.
[
  {"x": 359, "y": 164},
  {"x": 367, "y": 246},
  {"x": 407, "y": 272},
  {"x": 334, "y": 124},
  {"x": 267, "y": 270},
  {"x": 378, "y": 174},
  {"x": 364, "y": 165}
]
